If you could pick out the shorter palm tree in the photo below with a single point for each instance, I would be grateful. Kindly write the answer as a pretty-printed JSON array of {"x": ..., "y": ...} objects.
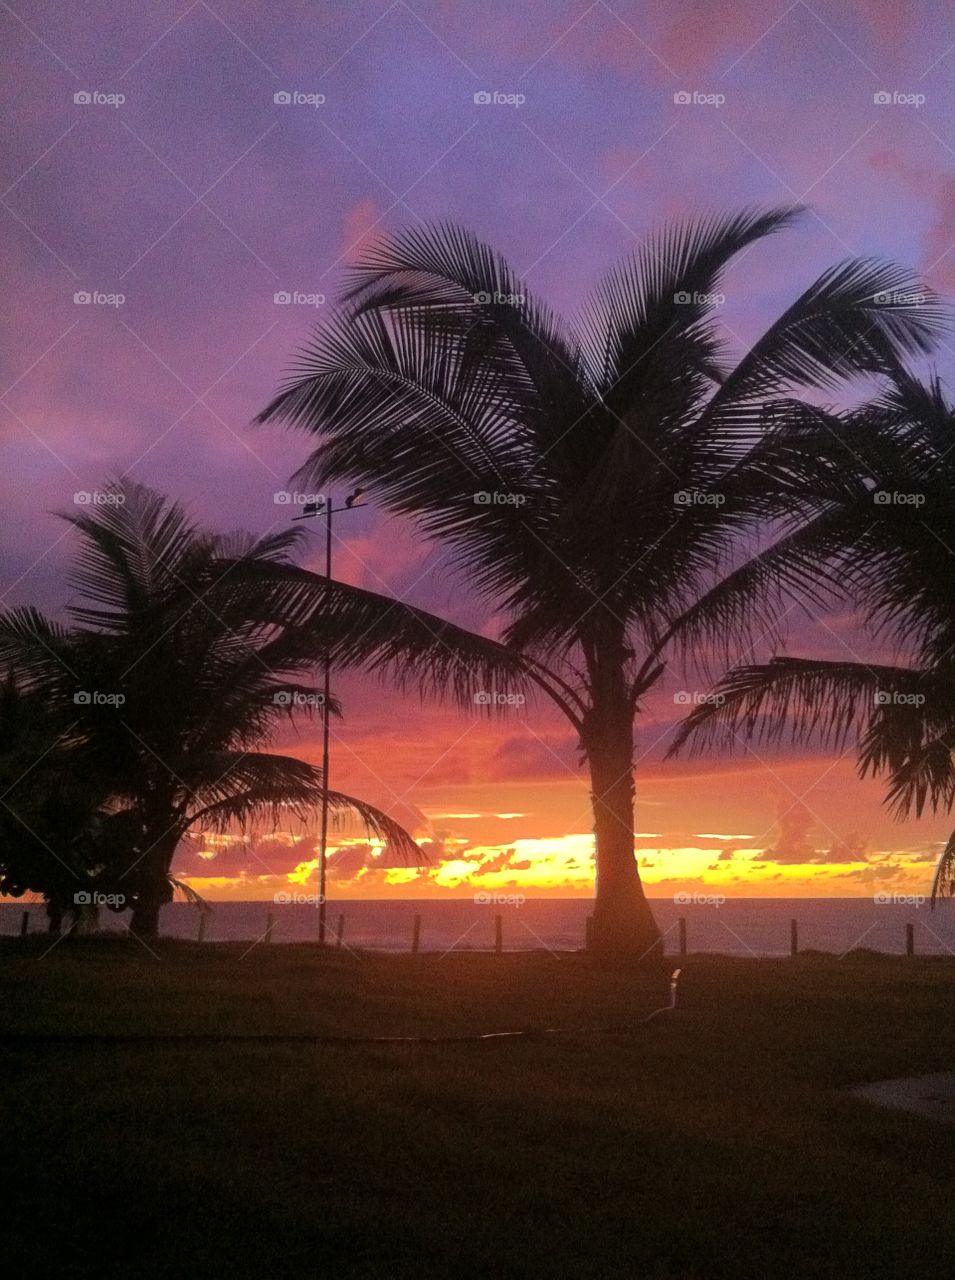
[
  {"x": 174, "y": 678},
  {"x": 890, "y": 550},
  {"x": 51, "y": 819}
]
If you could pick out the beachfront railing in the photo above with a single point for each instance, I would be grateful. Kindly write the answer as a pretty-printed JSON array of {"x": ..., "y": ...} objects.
[{"x": 417, "y": 931}]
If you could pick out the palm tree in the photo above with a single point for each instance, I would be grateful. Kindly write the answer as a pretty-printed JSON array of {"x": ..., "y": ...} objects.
[
  {"x": 592, "y": 482},
  {"x": 174, "y": 678},
  {"x": 890, "y": 552},
  {"x": 50, "y": 818}
]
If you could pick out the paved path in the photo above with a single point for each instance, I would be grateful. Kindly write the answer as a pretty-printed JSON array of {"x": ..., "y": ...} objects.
[{"x": 931, "y": 1096}]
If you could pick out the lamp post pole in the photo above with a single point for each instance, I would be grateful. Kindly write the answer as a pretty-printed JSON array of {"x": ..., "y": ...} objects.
[
  {"x": 323, "y": 841},
  {"x": 328, "y": 509}
]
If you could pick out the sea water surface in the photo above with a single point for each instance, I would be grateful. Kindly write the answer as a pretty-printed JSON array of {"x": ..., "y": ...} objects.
[{"x": 737, "y": 926}]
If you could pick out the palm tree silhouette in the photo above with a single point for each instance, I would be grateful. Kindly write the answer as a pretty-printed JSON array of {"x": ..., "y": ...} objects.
[
  {"x": 591, "y": 481},
  {"x": 888, "y": 550},
  {"x": 174, "y": 677},
  {"x": 51, "y": 817}
]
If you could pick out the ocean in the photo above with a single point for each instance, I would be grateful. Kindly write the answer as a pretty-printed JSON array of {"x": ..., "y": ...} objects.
[{"x": 738, "y": 926}]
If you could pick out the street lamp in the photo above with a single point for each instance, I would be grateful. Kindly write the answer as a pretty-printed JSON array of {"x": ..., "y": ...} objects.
[{"x": 325, "y": 506}]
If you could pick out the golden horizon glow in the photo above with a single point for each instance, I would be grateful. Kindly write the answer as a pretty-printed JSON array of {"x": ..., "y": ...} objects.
[{"x": 804, "y": 828}]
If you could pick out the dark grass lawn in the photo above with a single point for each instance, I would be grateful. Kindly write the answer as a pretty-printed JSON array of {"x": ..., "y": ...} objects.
[{"x": 715, "y": 1141}]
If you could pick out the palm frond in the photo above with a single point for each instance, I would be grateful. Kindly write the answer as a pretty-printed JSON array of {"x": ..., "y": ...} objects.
[
  {"x": 649, "y": 336},
  {"x": 801, "y": 699},
  {"x": 446, "y": 272},
  {"x": 257, "y": 786},
  {"x": 944, "y": 880},
  {"x": 135, "y": 545},
  {"x": 861, "y": 316},
  {"x": 361, "y": 628}
]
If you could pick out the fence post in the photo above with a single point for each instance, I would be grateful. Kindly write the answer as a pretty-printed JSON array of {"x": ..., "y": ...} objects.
[
  {"x": 416, "y": 936},
  {"x": 910, "y": 939},
  {"x": 24, "y": 924},
  {"x": 682, "y": 923},
  {"x": 793, "y": 938},
  {"x": 200, "y": 936},
  {"x": 498, "y": 935},
  {"x": 339, "y": 931},
  {"x": 269, "y": 926},
  {"x": 589, "y": 934}
]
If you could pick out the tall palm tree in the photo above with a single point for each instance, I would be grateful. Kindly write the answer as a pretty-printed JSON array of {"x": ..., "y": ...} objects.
[
  {"x": 592, "y": 481},
  {"x": 174, "y": 678},
  {"x": 890, "y": 551}
]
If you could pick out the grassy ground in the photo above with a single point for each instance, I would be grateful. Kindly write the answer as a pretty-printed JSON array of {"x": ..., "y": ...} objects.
[{"x": 718, "y": 1141}]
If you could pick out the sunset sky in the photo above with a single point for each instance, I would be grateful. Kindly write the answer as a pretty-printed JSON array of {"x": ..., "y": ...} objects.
[{"x": 185, "y": 190}]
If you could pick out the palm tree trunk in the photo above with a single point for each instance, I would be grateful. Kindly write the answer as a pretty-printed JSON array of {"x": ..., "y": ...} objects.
[
  {"x": 145, "y": 921},
  {"x": 622, "y": 922},
  {"x": 153, "y": 889},
  {"x": 54, "y": 918}
]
